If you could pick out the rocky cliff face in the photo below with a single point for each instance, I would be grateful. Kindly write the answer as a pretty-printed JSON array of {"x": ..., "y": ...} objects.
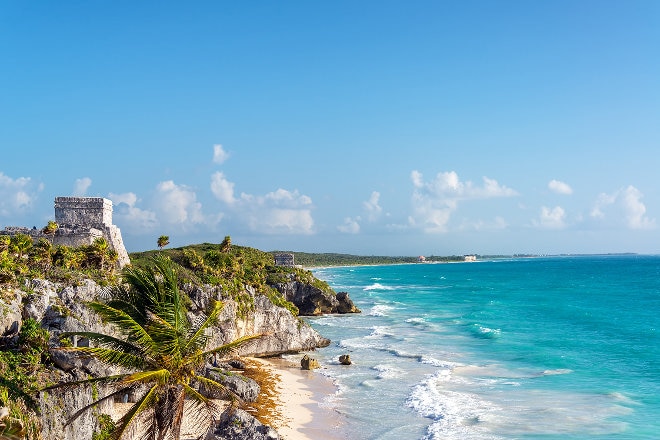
[
  {"x": 60, "y": 308},
  {"x": 283, "y": 332},
  {"x": 312, "y": 301}
]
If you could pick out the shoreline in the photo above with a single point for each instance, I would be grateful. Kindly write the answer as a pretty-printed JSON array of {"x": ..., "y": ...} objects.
[{"x": 294, "y": 404}]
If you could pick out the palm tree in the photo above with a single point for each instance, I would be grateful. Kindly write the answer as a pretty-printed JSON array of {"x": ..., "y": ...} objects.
[
  {"x": 163, "y": 241},
  {"x": 161, "y": 347},
  {"x": 20, "y": 244},
  {"x": 99, "y": 251},
  {"x": 50, "y": 229},
  {"x": 225, "y": 246},
  {"x": 42, "y": 254},
  {"x": 5, "y": 241},
  {"x": 67, "y": 257}
]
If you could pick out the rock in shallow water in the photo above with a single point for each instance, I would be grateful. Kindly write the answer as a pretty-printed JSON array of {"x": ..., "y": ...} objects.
[{"x": 308, "y": 363}]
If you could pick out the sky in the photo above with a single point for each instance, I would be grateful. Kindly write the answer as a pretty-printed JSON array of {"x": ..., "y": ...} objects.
[{"x": 363, "y": 127}]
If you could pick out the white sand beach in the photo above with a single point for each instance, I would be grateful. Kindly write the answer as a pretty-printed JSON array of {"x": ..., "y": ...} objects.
[{"x": 298, "y": 396}]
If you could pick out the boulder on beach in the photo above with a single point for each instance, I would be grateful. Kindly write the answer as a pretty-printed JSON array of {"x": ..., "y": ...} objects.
[
  {"x": 345, "y": 359},
  {"x": 239, "y": 425},
  {"x": 308, "y": 363}
]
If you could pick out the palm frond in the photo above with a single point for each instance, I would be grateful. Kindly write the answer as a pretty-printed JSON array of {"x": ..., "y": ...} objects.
[
  {"x": 106, "y": 341},
  {"x": 168, "y": 339},
  {"x": 110, "y": 356},
  {"x": 197, "y": 416},
  {"x": 65, "y": 385},
  {"x": 129, "y": 302},
  {"x": 145, "y": 403},
  {"x": 217, "y": 386},
  {"x": 125, "y": 324},
  {"x": 78, "y": 413},
  {"x": 198, "y": 339},
  {"x": 158, "y": 376},
  {"x": 231, "y": 346}
]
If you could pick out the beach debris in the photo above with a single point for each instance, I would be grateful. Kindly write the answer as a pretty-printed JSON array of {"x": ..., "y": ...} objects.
[
  {"x": 345, "y": 359},
  {"x": 308, "y": 363}
]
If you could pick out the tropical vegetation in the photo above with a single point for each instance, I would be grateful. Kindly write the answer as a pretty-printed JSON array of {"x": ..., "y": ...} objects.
[
  {"x": 163, "y": 241},
  {"x": 23, "y": 258},
  {"x": 162, "y": 350}
]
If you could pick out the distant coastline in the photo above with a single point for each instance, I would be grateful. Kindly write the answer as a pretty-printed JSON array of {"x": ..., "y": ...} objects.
[{"x": 321, "y": 260}]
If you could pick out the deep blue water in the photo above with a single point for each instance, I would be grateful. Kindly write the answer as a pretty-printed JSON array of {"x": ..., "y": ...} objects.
[{"x": 539, "y": 348}]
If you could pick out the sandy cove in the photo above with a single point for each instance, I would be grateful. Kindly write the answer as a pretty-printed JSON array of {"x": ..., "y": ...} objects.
[{"x": 294, "y": 398}]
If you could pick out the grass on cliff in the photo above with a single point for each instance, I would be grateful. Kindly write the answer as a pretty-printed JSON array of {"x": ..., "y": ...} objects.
[{"x": 23, "y": 371}]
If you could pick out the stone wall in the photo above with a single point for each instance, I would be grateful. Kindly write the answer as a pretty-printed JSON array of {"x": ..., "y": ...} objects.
[
  {"x": 80, "y": 221},
  {"x": 89, "y": 211}
]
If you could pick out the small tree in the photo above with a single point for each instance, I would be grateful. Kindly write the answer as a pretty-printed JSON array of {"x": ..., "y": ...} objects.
[
  {"x": 20, "y": 245},
  {"x": 225, "y": 246},
  {"x": 99, "y": 251},
  {"x": 50, "y": 229},
  {"x": 41, "y": 254},
  {"x": 163, "y": 241}
]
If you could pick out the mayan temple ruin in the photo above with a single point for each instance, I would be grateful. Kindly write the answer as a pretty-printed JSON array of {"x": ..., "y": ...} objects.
[{"x": 80, "y": 221}]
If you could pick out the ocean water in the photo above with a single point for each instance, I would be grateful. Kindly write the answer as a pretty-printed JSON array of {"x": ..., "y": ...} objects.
[{"x": 538, "y": 348}]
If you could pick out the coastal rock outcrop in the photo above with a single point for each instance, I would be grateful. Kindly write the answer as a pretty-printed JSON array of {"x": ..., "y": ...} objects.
[
  {"x": 308, "y": 363},
  {"x": 312, "y": 301},
  {"x": 59, "y": 308},
  {"x": 281, "y": 331},
  {"x": 346, "y": 304},
  {"x": 245, "y": 388},
  {"x": 239, "y": 425},
  {"x": 345, "y": 359},
  {"x": 10, "y": 318}
]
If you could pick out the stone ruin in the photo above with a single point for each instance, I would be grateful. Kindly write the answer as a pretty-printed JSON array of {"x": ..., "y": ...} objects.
[{"x": 80, "y": 221}]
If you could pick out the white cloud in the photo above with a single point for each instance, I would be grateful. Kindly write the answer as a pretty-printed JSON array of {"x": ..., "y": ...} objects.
[
  {"x": 498, "y": 223},
  {"x": 17, "y": 195},
  {"x": 130, "y": 217},
  {"x": 372, "y": 208},
  {"x": 449, "y": 185},
  {"x": 128, "y": 198},
  {"x": 282, "y": 221},
  {"x": 626, "y": 205},
  {"x": 435, "y": 201},
  {"x": 221, "y": 188},
  {"x": 551, "y": 218},
  {"x": 177, "y": 205},
  {"x": 560, "y": 187},
  {"x": 635, "y": 210},
  {"x": 219, "y": 154},
  {"x": 280, "y": 211},
  {"x": 288, "y": 198},
  {"x": 81, "y": 186},
  {"x": 350, "y": 226}
]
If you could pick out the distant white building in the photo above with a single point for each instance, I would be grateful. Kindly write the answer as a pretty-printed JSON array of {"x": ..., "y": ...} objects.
[
  {"x": 470, "y": 258},
  {"x": 421, "y": 259}
]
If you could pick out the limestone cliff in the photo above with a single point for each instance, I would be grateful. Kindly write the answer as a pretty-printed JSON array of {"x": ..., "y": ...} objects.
[
  {"x": 61, "y": 308},
  {"x": 313, "y": 301}
]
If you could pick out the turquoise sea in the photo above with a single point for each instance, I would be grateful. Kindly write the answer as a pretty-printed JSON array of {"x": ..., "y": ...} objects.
[{"x": 536, "y": 348}]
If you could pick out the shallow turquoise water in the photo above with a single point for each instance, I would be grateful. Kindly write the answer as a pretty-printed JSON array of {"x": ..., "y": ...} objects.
[{"x": 543, "y": 348}]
